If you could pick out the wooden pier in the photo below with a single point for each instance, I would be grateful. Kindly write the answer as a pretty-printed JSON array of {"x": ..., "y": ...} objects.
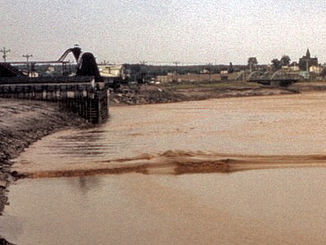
[{"x": 79, "y": 94}]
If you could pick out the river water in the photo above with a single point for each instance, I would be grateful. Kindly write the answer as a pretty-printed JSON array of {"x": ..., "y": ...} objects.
[{"x": 160, "y": 206}]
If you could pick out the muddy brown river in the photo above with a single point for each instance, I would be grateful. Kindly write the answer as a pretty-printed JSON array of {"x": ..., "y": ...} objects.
[{"x": 155, "y": 189}]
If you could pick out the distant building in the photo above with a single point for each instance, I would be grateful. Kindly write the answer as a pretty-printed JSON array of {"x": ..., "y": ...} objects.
[
  {"x": 306, "y": 61},
  {"x": 294, "y": 66},
  {"x": 192, "y": 77},
  {"x": 317, "y": 69},
  {"x": 204, "y": 71},
  {"x": 286, "y": 68},
  {"x": 112, "y": 70}
]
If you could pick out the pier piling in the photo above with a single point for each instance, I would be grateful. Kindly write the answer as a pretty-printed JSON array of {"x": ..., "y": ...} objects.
[{"x": 80, "y": 95}]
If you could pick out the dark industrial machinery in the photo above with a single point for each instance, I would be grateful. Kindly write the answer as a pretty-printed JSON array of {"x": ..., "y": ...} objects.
[
  {"x": 86, "y": 65},
  {"x": 7, "y": 70},
  {"x": 83, "y": 92}
]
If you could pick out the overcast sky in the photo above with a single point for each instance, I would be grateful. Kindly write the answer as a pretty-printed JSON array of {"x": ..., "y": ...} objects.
[{"x": 189, "y": 31}]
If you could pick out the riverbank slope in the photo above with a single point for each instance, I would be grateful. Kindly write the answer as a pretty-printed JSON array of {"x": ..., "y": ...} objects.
[
  {"x": 177, "y": 92},
  {"x": 23, "y": 122}
]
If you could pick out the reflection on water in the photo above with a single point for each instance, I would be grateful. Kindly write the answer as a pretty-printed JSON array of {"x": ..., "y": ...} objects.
[
  {"x": 276, "y": 206},
  {"x": 283, "y": 206},
  {"x": 85, "y": 183}
]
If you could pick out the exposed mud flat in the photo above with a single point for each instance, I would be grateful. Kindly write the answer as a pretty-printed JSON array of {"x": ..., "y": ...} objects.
[
  {"x": 310, "y": 86},
  {"x": 151, "y": 94},
  {"x": 23, "y": 122}
]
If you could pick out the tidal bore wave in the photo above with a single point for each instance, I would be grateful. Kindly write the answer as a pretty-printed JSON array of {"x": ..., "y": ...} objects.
[{"x": 178, "y": 162}]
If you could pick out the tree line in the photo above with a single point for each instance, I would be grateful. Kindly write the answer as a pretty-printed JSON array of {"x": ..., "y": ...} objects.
[{"x": 276, "y": 63}]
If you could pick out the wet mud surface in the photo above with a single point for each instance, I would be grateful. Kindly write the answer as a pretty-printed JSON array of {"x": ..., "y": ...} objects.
[
  {"x": 23, "y": 122},
  {"x": 151, "y": 94}
]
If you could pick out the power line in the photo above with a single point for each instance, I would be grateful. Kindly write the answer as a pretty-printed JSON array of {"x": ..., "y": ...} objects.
[{"x": 27, "y": 56}]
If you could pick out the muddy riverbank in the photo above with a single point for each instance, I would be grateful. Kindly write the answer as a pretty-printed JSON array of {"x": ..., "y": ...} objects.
[
  {"x": 23, "y": 122},
  {"x": 177, "y": 92}
]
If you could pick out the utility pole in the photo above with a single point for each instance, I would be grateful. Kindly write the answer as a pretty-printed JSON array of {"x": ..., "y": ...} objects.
[
  {"x": 142, "y": 71},
  {"x": 210, "y": 72},
  {"x": 176, "y": 73},
  {"x": 4, "y": 51},
  {"x": 27, "y": 56},
  {"x": 307, "y": 65}
]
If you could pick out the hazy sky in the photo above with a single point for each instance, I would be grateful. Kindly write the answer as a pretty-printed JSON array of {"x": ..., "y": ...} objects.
[{"x": 190, "y": 31}]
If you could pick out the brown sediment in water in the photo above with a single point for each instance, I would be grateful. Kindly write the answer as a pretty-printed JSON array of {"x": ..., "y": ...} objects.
[
  {"x": 23, "y": 122},
  {"x": 268, "y": 132},
  {"x": 181, "y": 162}
]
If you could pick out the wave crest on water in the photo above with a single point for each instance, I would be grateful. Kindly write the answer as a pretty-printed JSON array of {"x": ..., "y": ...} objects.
[{"x": 177, "y": 162}]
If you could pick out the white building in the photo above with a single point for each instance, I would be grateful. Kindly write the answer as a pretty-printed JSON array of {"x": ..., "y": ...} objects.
[
  {"x": 317, "y": 69},
  {"x": 112, "y": 70}
]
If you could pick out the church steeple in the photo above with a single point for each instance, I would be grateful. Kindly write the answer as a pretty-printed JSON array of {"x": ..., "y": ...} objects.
[{"x": 308, "y": 54}]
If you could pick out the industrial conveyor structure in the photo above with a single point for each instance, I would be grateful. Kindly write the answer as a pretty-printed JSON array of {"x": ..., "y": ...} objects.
[{"x": 84, "y": 92}]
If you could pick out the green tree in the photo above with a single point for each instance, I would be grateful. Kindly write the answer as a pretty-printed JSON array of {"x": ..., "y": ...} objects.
[
  {"x": 323, "y": 73},
  {"x": 252, "y": 62},
  {"x": 230, "y": 69},
  {"x": 285, "y": 60},
  {"x": 276, "y": 64}
]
